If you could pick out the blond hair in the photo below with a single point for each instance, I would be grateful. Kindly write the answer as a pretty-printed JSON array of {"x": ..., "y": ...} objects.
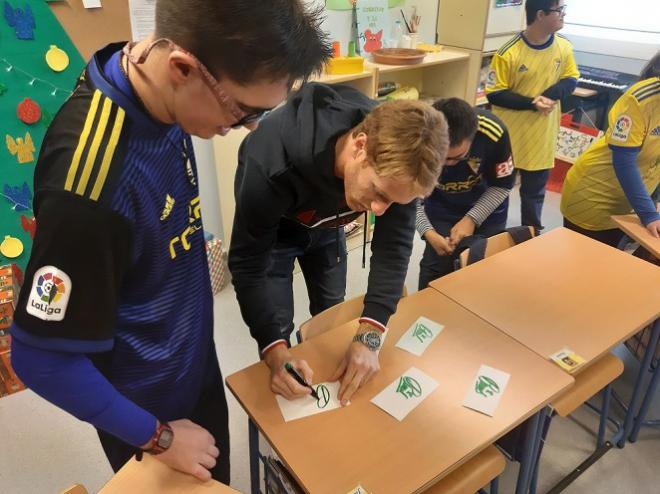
[{"x": 406, "y": 139}]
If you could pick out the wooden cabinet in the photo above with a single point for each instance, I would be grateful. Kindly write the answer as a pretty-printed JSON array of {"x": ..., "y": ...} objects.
[{"x": 480, "y": 28}]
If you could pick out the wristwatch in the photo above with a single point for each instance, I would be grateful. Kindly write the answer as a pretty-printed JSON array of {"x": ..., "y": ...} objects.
[
  {"x": 161, "y": 440},
  {"x": 370, "y": 339}
]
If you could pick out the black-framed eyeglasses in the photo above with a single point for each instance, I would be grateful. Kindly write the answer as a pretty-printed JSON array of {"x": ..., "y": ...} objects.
[
  {"x": 462, "y": 157},
  {"x": 560, "y": 10},
  {"x": 251, "y": 118}
]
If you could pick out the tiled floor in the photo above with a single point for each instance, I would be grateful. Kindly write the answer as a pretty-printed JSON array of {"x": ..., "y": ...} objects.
[{"x": 43, "y": 450}]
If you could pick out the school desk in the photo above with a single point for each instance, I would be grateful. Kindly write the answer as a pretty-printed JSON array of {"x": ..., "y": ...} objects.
[
  {"x": 335, "y": 451},
  {"x": 150, "y": 476},
  {"x": 632, "y": 227},
  {"x": 563, "y": 289}
]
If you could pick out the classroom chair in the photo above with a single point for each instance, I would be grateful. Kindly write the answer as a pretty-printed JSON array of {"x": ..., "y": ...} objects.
[
  {"x": 484, "y": 468},
  {"x": 598, "y": 377},
  {"x": 332, "y": 317},
  {"x": 486, "y": 247},
  {"x": 75, "y": 489}
]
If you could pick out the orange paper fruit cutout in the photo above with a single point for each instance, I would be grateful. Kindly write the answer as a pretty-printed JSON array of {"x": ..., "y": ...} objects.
[{"x": 28, "y": 111}]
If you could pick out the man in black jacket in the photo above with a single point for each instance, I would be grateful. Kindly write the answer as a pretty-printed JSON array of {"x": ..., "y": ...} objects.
[{"x": 327, "y": 156}]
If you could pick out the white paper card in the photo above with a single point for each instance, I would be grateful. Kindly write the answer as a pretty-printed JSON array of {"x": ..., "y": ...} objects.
[
  {"x": 304, "y": 407},
  {"x": 419, "y": 336},
  {"x": 91, "y": 4},
  {"x": 487, "y": 389},
  {"x": 405, "y": 393},
  {"x": 142, "y": 14}
]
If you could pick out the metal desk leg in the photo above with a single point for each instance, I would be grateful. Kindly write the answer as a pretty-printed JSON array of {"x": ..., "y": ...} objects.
[
  {"x": 639, "y": 420},
  {"x": 527, "y": 462},
  {"x": 495, "y": 486},
  {"x": 607, "y": 394},
  {"x": 644, "y": 366},
  {"x": 253, "y": 434}
]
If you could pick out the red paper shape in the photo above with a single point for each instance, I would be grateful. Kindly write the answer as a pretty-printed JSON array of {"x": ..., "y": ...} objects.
[
  {"x": 29, "y": 225},
  {"x": 28, "y": 111}
]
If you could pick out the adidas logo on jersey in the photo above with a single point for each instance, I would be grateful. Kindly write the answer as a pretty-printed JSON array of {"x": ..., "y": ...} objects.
[
  {"x": 523, "y": 68},
  {"x": 167, "y": 210},
  {"x": 656, "y": 132}
]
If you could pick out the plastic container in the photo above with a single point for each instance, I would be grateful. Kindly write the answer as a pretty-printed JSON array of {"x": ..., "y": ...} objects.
[{"x": 397, "y": 34}]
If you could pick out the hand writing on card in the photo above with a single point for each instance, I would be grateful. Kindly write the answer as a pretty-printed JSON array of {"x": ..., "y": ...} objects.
[
  {"x": 357, "y": 367},
  {"x": 281, "y": 382}
]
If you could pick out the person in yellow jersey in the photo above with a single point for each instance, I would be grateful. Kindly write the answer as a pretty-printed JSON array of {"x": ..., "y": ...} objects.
[
  {"x": 620, "y": 171},
  {"x": 528, "y": 77}
]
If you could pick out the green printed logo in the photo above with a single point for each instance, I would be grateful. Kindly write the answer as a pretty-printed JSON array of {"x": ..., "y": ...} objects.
[
  {"x": 324, "y": 396},
  {"x": 485, "y": 386},
  {"x": 421, "y": 332},
  {"x": 409, "y": 387}
]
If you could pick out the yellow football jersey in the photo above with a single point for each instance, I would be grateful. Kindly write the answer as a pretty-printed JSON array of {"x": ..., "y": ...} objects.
[
  {"x": 592, "y": 193},
  {"x": 529, "y": 71}
]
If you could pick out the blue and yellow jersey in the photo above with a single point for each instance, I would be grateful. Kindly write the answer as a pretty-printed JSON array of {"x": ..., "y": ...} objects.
[
  {"x": 489, "y": 164},
  {"x": 118, "y": 269},
  {"x": 592, "y": 193},
  {"x": 530, "y": 70}
]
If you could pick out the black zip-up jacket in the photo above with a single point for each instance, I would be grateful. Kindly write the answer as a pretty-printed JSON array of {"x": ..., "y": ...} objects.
[{"x": 286, "y": 173}]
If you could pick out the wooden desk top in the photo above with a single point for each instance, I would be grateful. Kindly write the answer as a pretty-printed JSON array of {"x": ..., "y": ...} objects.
[
  {"x": 560, "y": 289},
  {"x": 630, "y": 224},
  {"x": 150, "y": 476},
  {"x": 335, "y": 451},
  {"x": 446, "y": 55}
]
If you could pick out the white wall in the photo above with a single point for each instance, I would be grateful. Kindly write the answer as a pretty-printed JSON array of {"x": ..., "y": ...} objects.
[{"x": 627, "y": 29}]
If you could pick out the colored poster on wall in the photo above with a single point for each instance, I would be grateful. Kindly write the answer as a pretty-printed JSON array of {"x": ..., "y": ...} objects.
[
  {"x": 507, "y": 3},
  {"x": 38, "y": 69},
  {"x": 373, "y": 24}
]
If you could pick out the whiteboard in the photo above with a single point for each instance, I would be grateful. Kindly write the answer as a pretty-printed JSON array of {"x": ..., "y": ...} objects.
[
  {"x": 629, "y": 29},
  {"x": 631, "y": 15}
]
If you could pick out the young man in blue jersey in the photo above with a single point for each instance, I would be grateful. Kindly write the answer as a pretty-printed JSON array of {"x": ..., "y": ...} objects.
[
  {"x": 472, "y": 194},
  {"x": 528, "y": 78},
  {"x": 326, "y": 157},
  {"x": 115, "y": 321}
]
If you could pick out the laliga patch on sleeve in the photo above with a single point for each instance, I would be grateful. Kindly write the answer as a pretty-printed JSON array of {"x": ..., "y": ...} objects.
[
  {"x": 491, "y": 78},
  {"x": 49, "y": 295},
  {"x": 621, "y": 129},
  {"x": 504, "y": 169}
]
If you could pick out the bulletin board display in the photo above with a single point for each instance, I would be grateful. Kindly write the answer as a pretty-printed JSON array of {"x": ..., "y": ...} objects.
[{"x": 38, "y": 68}]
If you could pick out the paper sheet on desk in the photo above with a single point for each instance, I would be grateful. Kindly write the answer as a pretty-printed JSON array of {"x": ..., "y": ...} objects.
[
  {"x": 304, "y": 407},
  {"x": 405, "y": 393}
]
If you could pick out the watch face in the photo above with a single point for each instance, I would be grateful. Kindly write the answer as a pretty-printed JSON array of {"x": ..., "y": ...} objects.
[
  {"x": 372, "y": 340},
  {"x": 165, "y": 438}
]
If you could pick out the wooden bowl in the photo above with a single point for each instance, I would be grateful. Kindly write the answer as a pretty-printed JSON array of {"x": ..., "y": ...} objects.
[{"x": 398, "y": 56}]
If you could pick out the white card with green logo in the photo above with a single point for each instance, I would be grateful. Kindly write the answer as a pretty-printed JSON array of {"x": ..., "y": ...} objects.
[
  {"x": 419, "y": 336},
  {"x": 486, "y": 390},
  {"x": 308, "y": 405},
  {"x": 405, "y": 393}
]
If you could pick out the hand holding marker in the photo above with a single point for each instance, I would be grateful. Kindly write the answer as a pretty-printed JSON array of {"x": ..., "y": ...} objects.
[{"x": 289, "y": 368}]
